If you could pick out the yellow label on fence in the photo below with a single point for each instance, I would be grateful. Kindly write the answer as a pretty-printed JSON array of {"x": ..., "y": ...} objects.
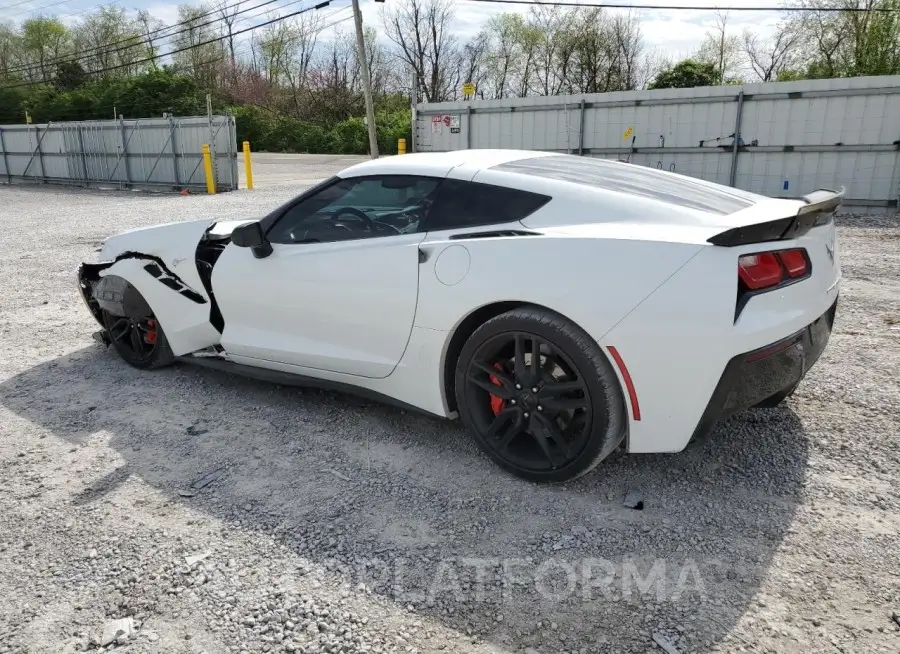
[{"x": 628, "y": 133}]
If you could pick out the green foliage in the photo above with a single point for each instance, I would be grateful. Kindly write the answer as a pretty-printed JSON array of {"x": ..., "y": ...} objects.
[
  {"x": 70, "y": 75},
  {"x": 268, "y": 131},
  {"x": 686, "y": 74}
]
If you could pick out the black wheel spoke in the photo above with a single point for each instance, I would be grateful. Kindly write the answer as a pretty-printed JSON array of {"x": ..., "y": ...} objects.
[
  {"x": 553, "y": 431},
  {"x": 555, "y": 389},
  {"x": 540, "y": 437},
  {"x": 137, "y": 341},
  {"x": 519, "y": 358},
  {"x": 506, "y": 426},
  {"x": 119, "y": 328},
  {"x": 497, "y": 373},
  {"x": 535, "y": 359},
  {"x": 492, "y": 388}
]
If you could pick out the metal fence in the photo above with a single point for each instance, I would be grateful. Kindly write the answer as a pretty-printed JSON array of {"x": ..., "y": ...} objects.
[
  {"x": 792, "y": 137},
  {"x": 143, "y": 153}
]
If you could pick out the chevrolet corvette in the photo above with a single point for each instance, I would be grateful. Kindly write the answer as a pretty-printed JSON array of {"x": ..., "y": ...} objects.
[{"x": 559, "y": 306}]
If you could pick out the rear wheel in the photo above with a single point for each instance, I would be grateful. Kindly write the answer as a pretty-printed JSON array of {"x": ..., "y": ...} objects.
[
  {"x": 539, "y": 395},
  {"x": 138, "y": 337}
]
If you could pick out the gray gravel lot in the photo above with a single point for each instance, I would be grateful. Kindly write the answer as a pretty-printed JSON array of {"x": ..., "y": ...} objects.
[{"x": 323, "y": 523}]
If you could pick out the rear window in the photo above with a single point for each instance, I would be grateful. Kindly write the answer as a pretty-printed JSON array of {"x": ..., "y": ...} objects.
[
  {"x": 633, "y": 180},
  {"x": 469, "y": 204}
]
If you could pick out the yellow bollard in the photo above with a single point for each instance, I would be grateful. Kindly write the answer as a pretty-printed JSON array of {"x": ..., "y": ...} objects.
[
  {"x": 248, "y": 168},
  {"x": 401, "y": 146},
  {"x": 208, "y": 167}
]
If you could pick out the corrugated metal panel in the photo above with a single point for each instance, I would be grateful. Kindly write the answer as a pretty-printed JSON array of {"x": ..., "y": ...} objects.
[
  {"x": 151, "y": 152},
  {"x": 798, "y": 136}
]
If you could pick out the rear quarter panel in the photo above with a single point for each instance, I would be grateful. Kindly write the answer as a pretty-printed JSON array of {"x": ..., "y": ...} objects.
[{"x": 677, "y": 343}]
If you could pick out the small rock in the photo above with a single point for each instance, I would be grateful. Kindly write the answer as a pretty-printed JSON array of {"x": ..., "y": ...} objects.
[
  {"x": 665, "y": 644},
  {"x": 115, "y": 629},
  {"x": 634, "y": 499},
  {"x": 194, "y": 559}
]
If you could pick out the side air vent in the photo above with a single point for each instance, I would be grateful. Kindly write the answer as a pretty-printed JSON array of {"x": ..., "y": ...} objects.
[{"x": 502, "y": 233}]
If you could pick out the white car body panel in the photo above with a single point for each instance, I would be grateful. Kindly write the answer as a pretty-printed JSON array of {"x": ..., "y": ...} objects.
[
  {"x": 186, "y": 323},
  {"x": 636, "y": 272},
  {"x": 319, "y": 305}
]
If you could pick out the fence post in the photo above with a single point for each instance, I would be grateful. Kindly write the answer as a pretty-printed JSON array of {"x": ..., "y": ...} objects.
[
  {"x": 248, "y": 166},
  {"x": 468, "y": 127},
  {"x": 581, "y": 130},
  {"x": 208, "y": 168},
  {"x": 737, "y": 137},
  {"x": 5, "y": 160},
  {"x": 414, "y": 136},
  {"x": 232, "y": 148},
  {"x": 40, "y": 152},
  {"x": 174, "y": 152},
  {"x": 125, "y": 151},
  {"x": 82, "y": 154}
]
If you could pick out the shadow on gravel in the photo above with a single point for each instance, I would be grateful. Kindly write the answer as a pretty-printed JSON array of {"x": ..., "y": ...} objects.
[{"x": 405, "y": 504}]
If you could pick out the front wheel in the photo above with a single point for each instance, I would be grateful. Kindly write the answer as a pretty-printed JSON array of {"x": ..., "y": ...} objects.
[
  {"x": 137, "y": 336},
  {"x": 539, "y": 395}
]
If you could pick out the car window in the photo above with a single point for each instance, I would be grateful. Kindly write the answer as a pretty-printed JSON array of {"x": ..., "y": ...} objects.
[
  {"x": 469, "y": 204},
  {"x": 358, "y": 207}
]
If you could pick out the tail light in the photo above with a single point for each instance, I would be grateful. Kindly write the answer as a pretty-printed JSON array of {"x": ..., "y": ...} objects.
[{"x": 766, "y": 270}]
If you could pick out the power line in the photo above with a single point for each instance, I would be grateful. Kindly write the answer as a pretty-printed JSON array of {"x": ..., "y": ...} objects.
[
  {"x": 603, "y": 5},
  {"x": 142, "y": 40},
  {"x": 321, "y": 5}
]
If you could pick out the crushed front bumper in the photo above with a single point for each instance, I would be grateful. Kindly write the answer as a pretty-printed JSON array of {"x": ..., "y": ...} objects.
[{"x": 764, "y": 377}]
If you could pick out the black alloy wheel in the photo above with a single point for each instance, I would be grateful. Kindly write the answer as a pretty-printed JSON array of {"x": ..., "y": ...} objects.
[
  {"x": 540, "y": 395},
  {"x": 138, "y": 337}
]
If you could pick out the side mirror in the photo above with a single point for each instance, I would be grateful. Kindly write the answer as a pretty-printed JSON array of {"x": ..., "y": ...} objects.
[{"x": 251, "y": 236}]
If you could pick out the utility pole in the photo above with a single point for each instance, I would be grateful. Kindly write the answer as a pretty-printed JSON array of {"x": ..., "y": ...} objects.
[{"x": 367, "y": 82}]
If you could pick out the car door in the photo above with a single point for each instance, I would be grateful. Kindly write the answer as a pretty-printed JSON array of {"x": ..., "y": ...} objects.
[{"x": 339, "y": 290}]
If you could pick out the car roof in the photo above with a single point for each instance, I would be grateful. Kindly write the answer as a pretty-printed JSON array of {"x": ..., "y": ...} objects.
[{"x": 438, "y": 163}]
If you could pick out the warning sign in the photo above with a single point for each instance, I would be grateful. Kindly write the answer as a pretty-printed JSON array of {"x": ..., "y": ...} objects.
[
  {"x": 628, "y": 133},
  {"x": 468, "y": 88}
]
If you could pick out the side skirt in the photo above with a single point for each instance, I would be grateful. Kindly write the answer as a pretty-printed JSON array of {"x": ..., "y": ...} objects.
[{"x": 290, "y": 379}]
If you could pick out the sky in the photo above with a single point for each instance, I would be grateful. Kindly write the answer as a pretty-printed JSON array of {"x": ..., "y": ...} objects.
[{"x": 675, "y": 33}]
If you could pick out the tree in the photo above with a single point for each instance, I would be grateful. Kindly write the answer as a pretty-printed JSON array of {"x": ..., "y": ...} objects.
[
  {"x": 424, "y": 41},
  {"x": 686, "y": 74},
  {"x": 43, "y": 41},
  {"x": 721, "y": 49},
  {"x": 8, "y": 47},
  {"x": 70, "y": 75},
  {"x": 770, "y": 58},
  {"x": 201, "y": 60},
  {"x": 148, "y": 27},
  {"x": 864, "y": 40},
  {"x": 108, "y": 39}
]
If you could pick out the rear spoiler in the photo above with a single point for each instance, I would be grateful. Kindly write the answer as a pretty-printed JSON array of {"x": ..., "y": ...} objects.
[{"x": 818, "y": 210}]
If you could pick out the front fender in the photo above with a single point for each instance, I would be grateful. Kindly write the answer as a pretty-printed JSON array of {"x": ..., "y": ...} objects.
[{"x": 160, "y": 262}]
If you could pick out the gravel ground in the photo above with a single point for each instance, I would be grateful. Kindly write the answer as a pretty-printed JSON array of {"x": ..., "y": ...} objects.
[{"x": 188, "y": 511}]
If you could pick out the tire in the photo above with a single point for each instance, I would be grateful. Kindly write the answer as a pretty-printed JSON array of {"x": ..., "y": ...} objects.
[
  {"x": 138, "y": 329},
  {"x": 577, "y": 391}
]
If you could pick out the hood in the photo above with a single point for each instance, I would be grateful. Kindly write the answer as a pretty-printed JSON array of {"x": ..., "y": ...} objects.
[{"x": 177, "y": 239}]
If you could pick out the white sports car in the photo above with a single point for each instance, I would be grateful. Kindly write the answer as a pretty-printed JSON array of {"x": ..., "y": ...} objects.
[{"x": 558, "y": 305}]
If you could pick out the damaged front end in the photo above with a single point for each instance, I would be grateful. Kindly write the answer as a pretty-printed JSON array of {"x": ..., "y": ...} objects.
[{"x": 145, "y": 285}]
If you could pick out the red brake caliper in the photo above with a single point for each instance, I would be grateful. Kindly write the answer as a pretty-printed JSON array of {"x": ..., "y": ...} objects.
[
  {"x": 150, "y": 334},
  {"x": 497, "y": 403}
]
